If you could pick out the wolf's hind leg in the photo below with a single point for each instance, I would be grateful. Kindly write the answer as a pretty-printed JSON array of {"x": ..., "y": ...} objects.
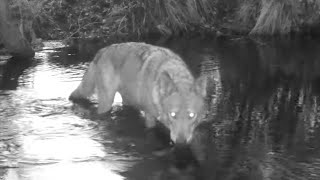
[
  {"x": 86, "y": 87},
  {"x": 107, "y": 86}
]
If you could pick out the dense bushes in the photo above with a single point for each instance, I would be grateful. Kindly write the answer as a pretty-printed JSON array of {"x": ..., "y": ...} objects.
[{"x": 53, "y": 19}]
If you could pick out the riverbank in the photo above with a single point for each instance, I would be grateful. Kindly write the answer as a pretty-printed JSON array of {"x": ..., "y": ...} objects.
[
  {"x": 137, "y": 20},
  {"x": 99, "y": 18}
]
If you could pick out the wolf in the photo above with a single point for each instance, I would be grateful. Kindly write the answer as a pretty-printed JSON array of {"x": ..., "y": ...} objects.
[{"x": 150, "y": 78}]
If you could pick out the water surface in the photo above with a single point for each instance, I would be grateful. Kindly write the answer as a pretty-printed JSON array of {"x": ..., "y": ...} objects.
[{"x": 262, "y": 120}]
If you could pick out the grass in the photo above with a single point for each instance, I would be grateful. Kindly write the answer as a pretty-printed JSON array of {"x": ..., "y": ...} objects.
[
  {"x": 174, "y": 16},
  {"x": 101, "y": 18},
  {"x": 276, "y": 17},
  {"x": 248, "y": 12}
]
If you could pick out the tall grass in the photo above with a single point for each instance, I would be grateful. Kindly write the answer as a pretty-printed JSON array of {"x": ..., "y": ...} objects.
[
  {"x": 259, "y": 17},
  {"x": 98, "y": 18},
  {"x": 175, "y": 16},
  {"x": 277, "y": 17},
  {"x": 248, "y": 12},
  {"x": 168, "y": 17}
]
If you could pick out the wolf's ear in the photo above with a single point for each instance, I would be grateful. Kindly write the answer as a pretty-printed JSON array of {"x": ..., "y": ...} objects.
[
  {"x": 201, "y": 85},
  {"x": 166, "y": 85}
]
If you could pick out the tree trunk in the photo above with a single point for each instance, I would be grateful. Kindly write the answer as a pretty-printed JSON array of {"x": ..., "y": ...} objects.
[{"x": 11, "y": 36}]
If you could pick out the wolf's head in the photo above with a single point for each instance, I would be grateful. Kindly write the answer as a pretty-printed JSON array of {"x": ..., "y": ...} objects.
[{"x": 182, "y": 106}]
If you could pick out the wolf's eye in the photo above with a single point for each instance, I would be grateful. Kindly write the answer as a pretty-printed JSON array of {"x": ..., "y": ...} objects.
[
  {"x": 172, "y": 114},
  {"x": 192, "y": 115}
]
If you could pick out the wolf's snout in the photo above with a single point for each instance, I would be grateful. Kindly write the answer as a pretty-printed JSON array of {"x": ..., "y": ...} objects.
[{"x": 180, "y": 138}]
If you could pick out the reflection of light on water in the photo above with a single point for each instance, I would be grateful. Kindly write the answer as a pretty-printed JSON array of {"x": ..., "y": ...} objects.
[
  {"x": 62, "y": 148},
  {"x": 59, "y": 146},
  {"x": 77, "y": 171},
  {"x": 210, "y": 68},
  {"x": 42, "y": 55},
  {"x": 57, "y": 139},
  {"x": 50, "y": 81},
  {"x": 68, "y": 143},
  {"x": 53, "y": 44},
  {"x": 12, "y": 174},
  {"x": 64, "y": 171}
]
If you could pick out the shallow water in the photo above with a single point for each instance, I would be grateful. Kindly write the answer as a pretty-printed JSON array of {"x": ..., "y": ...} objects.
[{"x": 262, "y": 121}]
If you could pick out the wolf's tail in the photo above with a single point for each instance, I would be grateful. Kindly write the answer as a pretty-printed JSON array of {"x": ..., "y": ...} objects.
[{"x": 87, "y": 85}]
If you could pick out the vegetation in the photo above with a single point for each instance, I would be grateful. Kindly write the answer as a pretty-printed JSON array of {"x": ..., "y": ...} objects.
[
  {"x": 134, "y": 17},
  {"x": 63, "y": 19},
  {"x": 11, "y": 35},
  {"x": 270, "y": 17}
]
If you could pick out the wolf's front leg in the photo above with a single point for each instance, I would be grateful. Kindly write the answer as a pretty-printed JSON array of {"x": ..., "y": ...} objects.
[
  {"x": 150, "y": 121},
  {"x": 157, "y": 139},
  {"x": 150, "y": 125}
]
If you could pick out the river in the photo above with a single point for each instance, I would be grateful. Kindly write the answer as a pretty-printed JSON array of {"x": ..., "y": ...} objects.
[{"x": 262, "y": 121}]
